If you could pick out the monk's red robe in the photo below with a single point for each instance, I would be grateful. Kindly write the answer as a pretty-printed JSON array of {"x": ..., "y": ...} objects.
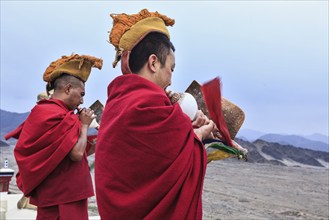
[
  {"x": 149, "y": 164},
  {"x": 46, "y": 173}
]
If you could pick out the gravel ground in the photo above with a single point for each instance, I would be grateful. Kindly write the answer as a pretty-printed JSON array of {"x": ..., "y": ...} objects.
[
  {"x": 235, "y": 189},
  {"x": 238, "y": 190}
]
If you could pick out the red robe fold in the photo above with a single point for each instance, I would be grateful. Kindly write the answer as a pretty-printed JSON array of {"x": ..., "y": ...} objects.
[
  {"x": 46, "y": 173},
  {"x": 149, "y": 164}
]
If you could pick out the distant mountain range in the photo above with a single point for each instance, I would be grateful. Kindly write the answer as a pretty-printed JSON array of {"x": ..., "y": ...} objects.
[
  {"x": 9, "y": 121},
  {"x": 317, "y": 142},
  {"x": 3, "y": 144},
  {"x": 261, "y": 151},
  {"x": 265, "y": 148},
  {"x": 295, "y": 140}
]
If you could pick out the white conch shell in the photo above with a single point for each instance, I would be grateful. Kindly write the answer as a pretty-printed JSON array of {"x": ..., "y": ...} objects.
[
  {"x": 94, "y": 124},
  {"x": 189, "y": 105}
]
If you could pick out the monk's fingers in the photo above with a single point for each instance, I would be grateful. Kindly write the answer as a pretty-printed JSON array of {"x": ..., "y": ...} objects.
[
  {"x": 80, "y": 110},
  {"x": 211, "y": 124},
  {"x": 169, "y": 93},
  {"x": 199, "y": 121},
  {"x": 206, "y": 120},
  {"x": 199, "y": 114},
  {"x": 206, "y": 130},
  {"x": 89, "y": 112},
  {"x": 195, "y": 124}
]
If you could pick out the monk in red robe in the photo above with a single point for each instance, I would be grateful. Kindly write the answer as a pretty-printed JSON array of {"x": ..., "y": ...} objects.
[
  {"x": 51, "y": 151},
  {"x": 150, "y": 162}
]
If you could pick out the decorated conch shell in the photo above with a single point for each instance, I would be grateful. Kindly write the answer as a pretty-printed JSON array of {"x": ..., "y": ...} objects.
[{"x": 187, "y": 103}]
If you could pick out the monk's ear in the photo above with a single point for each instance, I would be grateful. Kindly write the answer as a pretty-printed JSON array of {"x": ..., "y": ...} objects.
[
  {"x": 67, "y": 88},
  {"x": 153, "y": 62}
]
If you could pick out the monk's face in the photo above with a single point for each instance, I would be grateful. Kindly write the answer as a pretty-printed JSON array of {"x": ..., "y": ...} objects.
[
  {"x": 165, "y": 72},
  {"x": 76, "y": 95}
]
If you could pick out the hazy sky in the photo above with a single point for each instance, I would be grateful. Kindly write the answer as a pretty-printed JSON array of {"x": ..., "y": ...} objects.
[{"x": 272, "y": 56}]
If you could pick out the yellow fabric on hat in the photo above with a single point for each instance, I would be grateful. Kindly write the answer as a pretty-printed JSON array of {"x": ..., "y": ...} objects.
[
  {"x": 76, "y": 65},
  {"x": 140, "y": 29},
  {"x": 73, "y": 67}
]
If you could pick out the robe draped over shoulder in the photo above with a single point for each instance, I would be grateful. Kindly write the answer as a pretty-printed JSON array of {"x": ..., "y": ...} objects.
[
  {"x": 46, "y": 173},
  {"x": 149, "y": 164}
]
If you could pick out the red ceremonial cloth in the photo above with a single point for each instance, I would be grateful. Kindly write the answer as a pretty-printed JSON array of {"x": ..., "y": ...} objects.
[
  {"x": 213, "y": 99},
  {"x": 46, "y": 173},
  {"x": 149, "y": 164}
]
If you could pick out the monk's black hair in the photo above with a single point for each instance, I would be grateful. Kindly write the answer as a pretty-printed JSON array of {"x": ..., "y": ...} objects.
[{"x": 154, "y": 43}]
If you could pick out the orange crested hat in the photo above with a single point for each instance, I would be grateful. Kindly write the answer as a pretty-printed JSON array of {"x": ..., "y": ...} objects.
[
  {"x": 128, "y": 30},
  {"x": 75, "y": 65}
]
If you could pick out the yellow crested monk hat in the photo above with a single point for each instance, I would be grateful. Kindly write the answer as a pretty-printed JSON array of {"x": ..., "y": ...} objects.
[
  {"x": 75, "y": 65},
  {"x": 129, "y": 30}
]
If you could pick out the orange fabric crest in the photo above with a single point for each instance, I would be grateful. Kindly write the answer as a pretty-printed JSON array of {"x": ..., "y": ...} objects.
[
  {"x": 77, "y": 65},
  {"x": 123, "y": 23}
]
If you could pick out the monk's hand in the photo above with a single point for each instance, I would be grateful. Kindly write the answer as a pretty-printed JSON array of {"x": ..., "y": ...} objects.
[
  {"x": 216, "y": 133},
  {"x": 86, "y": 116},
  {"x": 200, "y": 120},
  {"x": 205, "y": 131},
  {"x": 173, "y": 96}
]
